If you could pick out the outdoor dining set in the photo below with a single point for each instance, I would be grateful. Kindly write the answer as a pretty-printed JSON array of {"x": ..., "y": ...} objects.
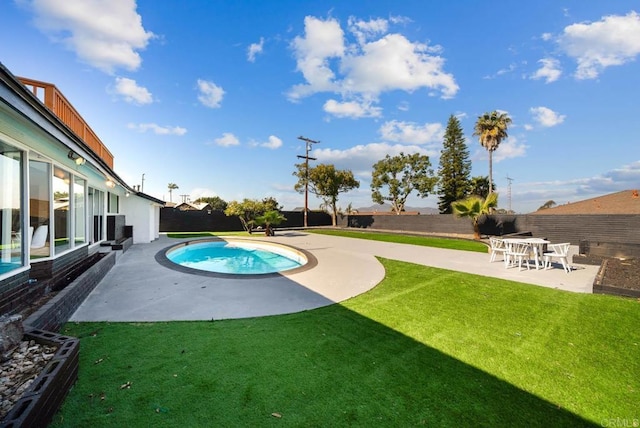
[{"x": 517, "y": 251}]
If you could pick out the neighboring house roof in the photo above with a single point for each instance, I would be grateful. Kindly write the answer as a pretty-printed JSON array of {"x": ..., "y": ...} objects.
[
  {"x": 189, "y": 206},
  {"x": 624, "y": 202}
]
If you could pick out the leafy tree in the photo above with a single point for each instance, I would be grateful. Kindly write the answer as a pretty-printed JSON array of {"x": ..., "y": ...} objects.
[
  {"x": 268, "y": 219},
  {"x": 491, "y": 129},
  {"x": 455, "y": 167},
  {"x": 172, "y": 187},
  {"x": 547, "y": 205},
  {"x": 480, "y": 186},
  {"x": 247, "y": 210},
  {"x": 474, "y": 207},
  {"x": 271, "y": 204},
  {"x": 326, "y": 182},
  {"x": 216, "y": 202},
  {"x": 401, "y": 175}
]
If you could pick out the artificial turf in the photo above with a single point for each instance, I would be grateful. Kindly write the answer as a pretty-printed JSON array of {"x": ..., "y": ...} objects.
[
  {"x": 401, "y": 238},
  {"x": 426, "y": 347}
]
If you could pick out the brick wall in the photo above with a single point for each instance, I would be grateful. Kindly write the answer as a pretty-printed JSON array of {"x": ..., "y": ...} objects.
[
  {"x": 59, "y": 309},
  {"x": 14, "y": 293}
]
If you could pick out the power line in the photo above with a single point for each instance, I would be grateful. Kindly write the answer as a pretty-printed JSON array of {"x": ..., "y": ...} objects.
[{"x": 308, "y": 143}]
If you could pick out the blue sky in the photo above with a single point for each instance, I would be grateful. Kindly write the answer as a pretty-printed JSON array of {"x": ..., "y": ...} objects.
[{"x": 213, "y": 95}]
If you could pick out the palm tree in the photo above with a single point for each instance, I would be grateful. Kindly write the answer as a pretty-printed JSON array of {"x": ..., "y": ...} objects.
[
  {"x": 474, "y": 207},
  {"x": 268, "y": 219},
  {"x": 172, "y": 187},
  {"x": 491, "y": 128}
]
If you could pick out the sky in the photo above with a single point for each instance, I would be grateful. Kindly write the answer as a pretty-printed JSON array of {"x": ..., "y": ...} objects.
[{"x": 214, "y": 95}]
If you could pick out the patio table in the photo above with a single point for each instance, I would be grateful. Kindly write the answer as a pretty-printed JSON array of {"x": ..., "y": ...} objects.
[{"x": 536, "y": 244}]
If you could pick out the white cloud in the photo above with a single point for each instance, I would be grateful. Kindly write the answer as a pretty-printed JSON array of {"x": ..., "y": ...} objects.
[
  {"x": 273, "y": 143},
  {"x": 614, "y": 40},
  {"x": 104, "y": 34},
  {"x": 131, "y": 92},
  {"x": 227, "y": 140},
  {"x": 411, "y": 133},
  {"x": 550, "y": 70},
  {"x": 255, "y": 49},
  {"x": 508, "y": 149},
  {"x": 201, "y": 192},
  {"x": 546, "y": 117},
  {"x": 323, "y": 40},
  {"x": 157, "y": 129},
  {"x": 210, "y": 94},
  {"x": 510, "y": 69},
  {"x": 360, "y": 158},
  {"x": 546, "y": 36},
  {"x": 375, "y": 62},
  {"x": 352, "y": 109},
  {"x": 366, "y": 30}
]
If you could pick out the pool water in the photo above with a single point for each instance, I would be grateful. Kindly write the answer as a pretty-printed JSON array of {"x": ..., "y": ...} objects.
[{"x": 244, "y": 258}]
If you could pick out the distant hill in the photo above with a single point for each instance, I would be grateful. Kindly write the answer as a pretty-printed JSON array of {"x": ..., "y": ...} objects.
[{"x": 387, "y": 208}]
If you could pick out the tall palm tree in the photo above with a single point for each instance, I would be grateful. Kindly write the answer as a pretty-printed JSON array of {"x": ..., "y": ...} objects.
[
  {"x": 491, "y": 129},
  {"x": 171, "y": 187},
  {"x": 474, "y": 207}
]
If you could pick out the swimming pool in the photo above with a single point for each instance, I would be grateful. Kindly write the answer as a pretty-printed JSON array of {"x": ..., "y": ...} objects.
[{"x": 236, "y": 257}]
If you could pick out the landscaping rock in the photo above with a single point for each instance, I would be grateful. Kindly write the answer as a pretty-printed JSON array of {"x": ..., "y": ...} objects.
[{"x": 11, "y": 332}]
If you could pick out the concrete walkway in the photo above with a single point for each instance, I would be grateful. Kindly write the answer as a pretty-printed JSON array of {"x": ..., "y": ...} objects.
[{"x": 138, "y": 288}]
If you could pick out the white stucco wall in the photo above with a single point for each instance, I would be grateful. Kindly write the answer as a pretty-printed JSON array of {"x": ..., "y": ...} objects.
[{"x": 144, "y": 216}]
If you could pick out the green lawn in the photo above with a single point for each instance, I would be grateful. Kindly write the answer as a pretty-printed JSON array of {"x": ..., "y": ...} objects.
[
  {"x": 427, "y": 241},
  {"x": 426, "y": 347}
]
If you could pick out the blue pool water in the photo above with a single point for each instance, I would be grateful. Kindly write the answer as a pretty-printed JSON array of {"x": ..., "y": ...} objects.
[{"x": 244, "y": 258}]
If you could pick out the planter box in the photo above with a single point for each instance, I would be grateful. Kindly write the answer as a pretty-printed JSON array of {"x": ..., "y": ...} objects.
[{"x": 43, "y": 398}]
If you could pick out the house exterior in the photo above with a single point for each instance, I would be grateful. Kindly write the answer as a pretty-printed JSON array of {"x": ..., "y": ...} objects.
[{"x": 59, "y": 194}]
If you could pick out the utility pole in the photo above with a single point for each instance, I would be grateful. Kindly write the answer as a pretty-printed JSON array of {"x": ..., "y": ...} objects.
[
  {"x": 306, "y": 158},
  {"x": 142, "y": 183},
  {"x": 185, "y": 198},
  {"x": 509, "y": 179}
]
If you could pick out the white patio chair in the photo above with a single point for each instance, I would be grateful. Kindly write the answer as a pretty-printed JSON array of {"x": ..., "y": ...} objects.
[
  {"x": 558, "y": 251},
  {"x": 497, "y": 247},
  {"x": 517, "y": 252}
]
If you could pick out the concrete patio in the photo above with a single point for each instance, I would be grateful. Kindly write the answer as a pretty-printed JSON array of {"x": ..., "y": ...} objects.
[{"x": 138, "y": 288}]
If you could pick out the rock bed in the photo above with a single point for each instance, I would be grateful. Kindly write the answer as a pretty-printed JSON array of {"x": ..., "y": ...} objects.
[{"x": 20, "y": 370}]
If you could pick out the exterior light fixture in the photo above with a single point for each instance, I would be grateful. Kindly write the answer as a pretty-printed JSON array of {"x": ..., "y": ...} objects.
[
  {"x": 79, "y": 160},
  {"x": 110, "y": 183}
]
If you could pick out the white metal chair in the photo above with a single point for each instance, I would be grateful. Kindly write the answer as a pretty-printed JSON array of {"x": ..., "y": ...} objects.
[
  {"x": 558, "y": 251},
  {"x": 517, "y": 252},
  {"x": 497, "y": 247}
]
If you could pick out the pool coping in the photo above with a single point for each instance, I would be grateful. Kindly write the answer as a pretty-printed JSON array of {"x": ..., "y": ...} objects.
[{"x": 161, "y": 257}]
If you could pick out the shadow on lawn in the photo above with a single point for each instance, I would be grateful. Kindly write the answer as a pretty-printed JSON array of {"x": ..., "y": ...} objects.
[{"x": 342, "y": 369}]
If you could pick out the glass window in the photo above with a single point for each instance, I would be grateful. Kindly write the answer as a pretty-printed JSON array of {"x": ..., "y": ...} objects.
[
  {"x": 79, "y": 211},
  {"x": 112, "y": 203},
  {"x": 11, "y": 234},
  {"x": 39, "y": 208},
  {"x": 95, "y": 205},
  {"x": 62, "y": 222}
]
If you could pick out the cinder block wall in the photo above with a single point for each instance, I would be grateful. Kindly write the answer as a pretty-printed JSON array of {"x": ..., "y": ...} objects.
[{"x": 556, "y": 228}]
